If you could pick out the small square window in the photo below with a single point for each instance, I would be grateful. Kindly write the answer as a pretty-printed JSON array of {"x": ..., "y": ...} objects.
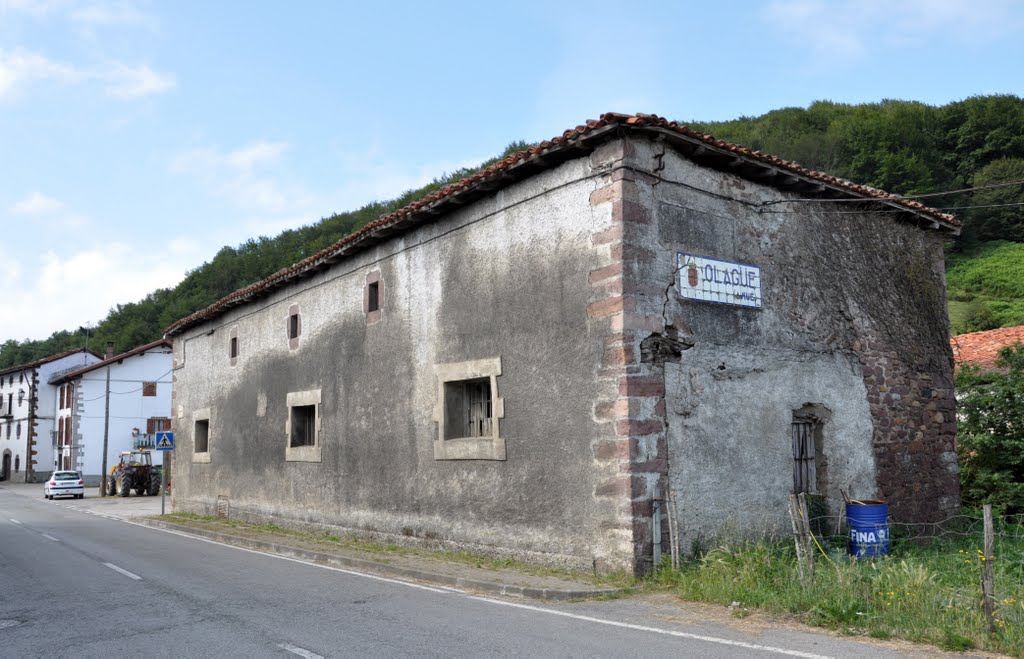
[
  {"x": 202, "y": 436},
  {"x": 469, "y": 411},
  {"x": 201, "y": 433},
  {"x": 468, "y": 408},
  {"x": 149, "y": 388},
  {"x": 303, "y": 426},
  {"x": 302, "y": 430},
  {"x": 293, "y": 326}
]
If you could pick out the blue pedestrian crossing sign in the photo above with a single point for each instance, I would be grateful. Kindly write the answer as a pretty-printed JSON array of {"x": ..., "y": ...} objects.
[{"x": 165, "y": 441}]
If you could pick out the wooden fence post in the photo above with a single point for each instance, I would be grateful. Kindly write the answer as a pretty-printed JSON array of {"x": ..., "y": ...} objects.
[
  {"x": 988, "y": 588},
  {"x": 808, "y": 539},
  {"x": 794, "y": 517}
]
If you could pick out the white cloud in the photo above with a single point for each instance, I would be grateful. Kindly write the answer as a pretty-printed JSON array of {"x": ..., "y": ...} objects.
[
  {"x": 255, "y": 154},
  {"x": 125, "y": 81},
  {"x": 845, "y": 33},
  {"x": 88, "y": 16},
  {"x": 20, "y": 67},
  {"x": 37, "y": 204},
  {"x": 53, "y": 211},
  {"x": 243, "y": 176},
  {"x": 100, "y": 15},
  {"x": 10, "y": 269},
  {"x": 66, "y": 290},
  {"x": 35, "y": 8}
]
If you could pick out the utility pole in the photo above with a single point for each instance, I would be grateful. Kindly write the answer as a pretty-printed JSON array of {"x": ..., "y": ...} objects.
[{"x": 106, "y": 423}]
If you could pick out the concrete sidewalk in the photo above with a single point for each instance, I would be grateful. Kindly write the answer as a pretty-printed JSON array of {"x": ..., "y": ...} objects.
[{"x": 397, "y": 564}]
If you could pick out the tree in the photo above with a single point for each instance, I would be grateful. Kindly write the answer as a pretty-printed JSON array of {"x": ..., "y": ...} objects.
[
  {"x": 990, "y": 441},
  {"x": 1001, "y": 220}
]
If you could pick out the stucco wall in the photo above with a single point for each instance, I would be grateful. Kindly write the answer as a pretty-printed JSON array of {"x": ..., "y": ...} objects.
[
  {"x": 567, "y": 279},
  {"x": 11, "y": 440},
  {"x": 842, "y": 294},
  {"x": 507, "y": 277},
  {"x": 128, "y": 408}
]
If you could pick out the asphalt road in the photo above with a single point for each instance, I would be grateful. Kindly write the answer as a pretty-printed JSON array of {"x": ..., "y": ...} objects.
[{"x": 77, "y": 582}]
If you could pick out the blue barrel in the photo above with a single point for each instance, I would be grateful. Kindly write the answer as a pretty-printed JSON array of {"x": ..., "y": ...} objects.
[{"x": 869, "y": 528}]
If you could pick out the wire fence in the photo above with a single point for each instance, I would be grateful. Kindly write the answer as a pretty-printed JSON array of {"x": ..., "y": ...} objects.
[{"x": 988, "y": 546}]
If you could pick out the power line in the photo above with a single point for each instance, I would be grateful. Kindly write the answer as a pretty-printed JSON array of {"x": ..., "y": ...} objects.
[
  {"x": 908, "y": 197},
  {"x": 893, "y": 211}
]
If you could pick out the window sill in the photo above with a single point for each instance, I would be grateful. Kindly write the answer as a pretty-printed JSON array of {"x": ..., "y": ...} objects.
[
  {"x": 470, "y": 448},
  {"x": 203, "y": 457},
  {"x": 302, "y": 454}
]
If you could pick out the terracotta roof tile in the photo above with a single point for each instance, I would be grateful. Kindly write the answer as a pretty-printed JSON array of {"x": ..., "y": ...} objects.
[
  {"x": 45, "y": 360},
  {"x": 71, "y": 375},
  {"x": 526, "y": 162},
  {"x": 981, "y": 349}
]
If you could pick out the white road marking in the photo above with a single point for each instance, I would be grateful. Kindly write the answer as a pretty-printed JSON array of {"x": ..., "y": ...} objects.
[
  {"x": 299, "y": 651},
  {"x": 445, "y": 590},
  {"x": 365, "y": 575},
  {"x": 655, "y": 630},
  {"x": 15, "y": 521},
  {"x": 50, "y": 537},
  {"x": 123, "y": 571}
]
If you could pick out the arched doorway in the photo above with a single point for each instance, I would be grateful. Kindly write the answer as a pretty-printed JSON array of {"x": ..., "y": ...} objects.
[{"x": 5, "y": 468}]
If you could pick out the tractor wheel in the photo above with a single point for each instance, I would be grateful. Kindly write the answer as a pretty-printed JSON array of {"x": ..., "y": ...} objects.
[
  {"x": 154, "y": 483},
  {"x": 111, "y": 486},
  {"x": 123, "y": 486}
]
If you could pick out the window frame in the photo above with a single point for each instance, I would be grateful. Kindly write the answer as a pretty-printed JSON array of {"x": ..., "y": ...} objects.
[
  {"x": 202, "y": 416},
  {"x": 373, "y": 281},
  {"x": 489, "y": 447},
  {"x": 293, "y": 326},
  {"x": 305, "y": 453},
  {"x": 234, "y": 346}
]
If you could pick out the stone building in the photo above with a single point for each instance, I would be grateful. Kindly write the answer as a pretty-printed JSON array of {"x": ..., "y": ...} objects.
[{"x": 522, "y": 362}]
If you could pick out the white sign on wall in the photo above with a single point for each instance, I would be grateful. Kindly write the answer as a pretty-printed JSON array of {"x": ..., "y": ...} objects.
[{"x": 723, "y": 282}]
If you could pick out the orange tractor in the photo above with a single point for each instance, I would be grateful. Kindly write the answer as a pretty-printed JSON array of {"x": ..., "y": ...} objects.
[{"x": 135, "y": 471}]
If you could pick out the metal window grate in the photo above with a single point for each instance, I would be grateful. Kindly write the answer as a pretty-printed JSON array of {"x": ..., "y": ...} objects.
[
  {"x": 804, "y": 476},
  {"x": 478, "y": 408},
  {"x": 468, "y": 409}
]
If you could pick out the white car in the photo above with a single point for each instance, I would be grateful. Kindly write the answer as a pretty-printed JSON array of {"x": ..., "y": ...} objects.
[{"x": 64, "y": 482}]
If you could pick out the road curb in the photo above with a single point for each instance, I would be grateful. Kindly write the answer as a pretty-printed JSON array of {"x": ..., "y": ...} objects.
[{"x": 387, "y": 569}]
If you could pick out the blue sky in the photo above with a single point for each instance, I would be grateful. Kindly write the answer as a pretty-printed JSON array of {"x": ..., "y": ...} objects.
[{"x": 137, "y": 138}]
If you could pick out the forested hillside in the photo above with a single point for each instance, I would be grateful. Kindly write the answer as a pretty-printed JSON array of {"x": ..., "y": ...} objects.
[{"x": 900, "y": 146}]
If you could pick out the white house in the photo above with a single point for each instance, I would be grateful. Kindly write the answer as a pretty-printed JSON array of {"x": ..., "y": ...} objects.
[
  {"x": 26, "y": 414},
  {"x": 137, "y": 386}
]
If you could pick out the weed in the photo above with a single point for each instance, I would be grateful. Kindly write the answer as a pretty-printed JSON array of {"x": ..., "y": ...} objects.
[{"x": 954, "y": 642}]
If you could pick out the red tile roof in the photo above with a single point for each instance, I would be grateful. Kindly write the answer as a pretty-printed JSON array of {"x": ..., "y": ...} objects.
[
  {"x": 981, "y": 349},
  {"x": 71, "y": 375},
  {"x": 45, "y": 360},
  {"x": 572, "y": 144}
]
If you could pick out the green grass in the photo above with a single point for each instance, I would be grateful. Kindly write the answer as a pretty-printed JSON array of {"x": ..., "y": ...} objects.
[
  {"x": 986, "y": 287},
  {"x": 328, "y": 541},
  {"x": 927, "y": 594},
  {"x": 923, "y": 594}
]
